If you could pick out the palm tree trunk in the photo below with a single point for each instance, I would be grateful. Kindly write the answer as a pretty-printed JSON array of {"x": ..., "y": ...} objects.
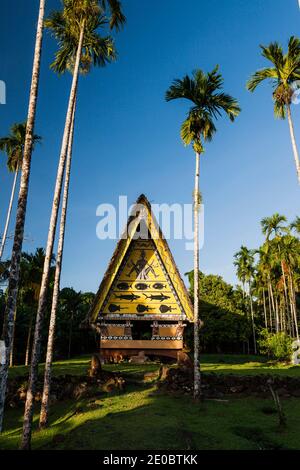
[
  {"x": 252, "y": 319},
  {"x": 12, "y": 196},
  {"x": 70, "y": 335},
  {"x": 270, "y": 309},
  {"x": 265, "y": 309},
  {"x": 197, "y": 376},
  {"x": 277, "y": 314},
  {"x": 294, "y": 145},
  {"x": 273, "y": 306},
  {"x": 28, "y": 414},
  {"x": 285, "y": 290},
  {"x": 28, "y": 342},
  {"x": 49, "y": 357},
  {"x": 12, "y": 290},
  {"x": 11, "y": 357},
  {"x": 294, "y": 307}
]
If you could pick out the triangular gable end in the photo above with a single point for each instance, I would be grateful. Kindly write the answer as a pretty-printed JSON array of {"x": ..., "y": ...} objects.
[{"x": 142, "y": 279}]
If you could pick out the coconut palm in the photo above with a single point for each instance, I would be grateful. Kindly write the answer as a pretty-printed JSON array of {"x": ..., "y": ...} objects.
[
  {"x": 282, "y": 72},
  {"x": 13, "y": 146},
  {"x": 80, "y": 46},
  {"x": 203, "y": 90},
  {"x": 12, "y": 290}
]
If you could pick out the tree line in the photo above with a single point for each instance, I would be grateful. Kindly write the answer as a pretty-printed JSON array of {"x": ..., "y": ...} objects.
[
  {"x": 70, "y": 338},
  {"x": 270, "y": 276}
]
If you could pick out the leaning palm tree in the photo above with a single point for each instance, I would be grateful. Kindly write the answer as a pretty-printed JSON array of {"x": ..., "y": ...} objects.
[
  {"x": 12, "y": 290},
  {"x": 283, "y": 72},
  {"x": 208, "y": 103},
  {"x": 13, "y": 146},
  {"x": 76, "y": 29}
]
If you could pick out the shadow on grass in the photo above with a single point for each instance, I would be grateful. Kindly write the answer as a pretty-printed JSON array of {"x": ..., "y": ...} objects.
[{"x": 142, "y": 418}]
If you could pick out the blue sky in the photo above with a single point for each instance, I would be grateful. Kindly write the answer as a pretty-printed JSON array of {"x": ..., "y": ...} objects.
[{"x": 127, "y": 137}]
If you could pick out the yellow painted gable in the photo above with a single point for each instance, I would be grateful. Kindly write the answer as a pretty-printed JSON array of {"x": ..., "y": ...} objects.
[
  {"x": 142, "y": 280},
  {"x": 142, "y": 285}
]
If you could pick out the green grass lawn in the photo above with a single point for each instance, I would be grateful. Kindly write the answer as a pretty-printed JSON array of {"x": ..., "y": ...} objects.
[
  {"x": 222, "y": 364},
  {"x": 143, "y": 418}
]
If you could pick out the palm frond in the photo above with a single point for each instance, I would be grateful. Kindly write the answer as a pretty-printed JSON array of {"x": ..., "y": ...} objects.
[
  {"x": 273, "y": 53},
  {"x": 13, "y": 145},
  {"x": 184, "y": 88},
  {"x": 117, "y": 18},
  {"x": 202, "y": 89},
  {"x": 260, "y": 76},
  {"x": 96, "y": 50}
]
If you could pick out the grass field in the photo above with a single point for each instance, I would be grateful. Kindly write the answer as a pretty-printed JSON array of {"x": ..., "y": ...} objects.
[
  {"x": 221, "y": 364},
  {"x": 143, "y": 418}
]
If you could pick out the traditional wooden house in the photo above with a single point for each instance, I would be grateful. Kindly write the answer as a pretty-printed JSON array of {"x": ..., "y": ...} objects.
[{"x": 142, "y": 304}]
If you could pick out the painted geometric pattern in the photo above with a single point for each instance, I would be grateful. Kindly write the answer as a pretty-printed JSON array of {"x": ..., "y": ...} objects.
[{"x": 142, "y": 285}]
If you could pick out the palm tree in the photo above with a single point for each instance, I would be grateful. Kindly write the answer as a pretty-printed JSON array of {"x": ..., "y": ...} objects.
[
  {"x": 289, "y": 258},
  {"x": 244, "y": 262},
  {"x": 13, "y": 146},
  {"x": 12, "y": 291},
  {"x": 30, "y": 283},
  {"x": 274, "y": 225},
  {"x": 283, "y": 72},
  {"x": 116, "y": 20},
  {"x": 76, "y": 29},
  {"x": 208, "y": 103},
  {"x": 295, "y": 225},
  {"x": 49, "y": 356}
]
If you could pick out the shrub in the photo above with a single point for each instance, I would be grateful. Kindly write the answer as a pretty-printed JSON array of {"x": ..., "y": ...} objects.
[{"x": 276, "y": 345}]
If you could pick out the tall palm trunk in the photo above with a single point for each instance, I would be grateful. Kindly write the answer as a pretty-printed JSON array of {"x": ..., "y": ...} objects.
[
  {"x": 275, "y": 311},
  {"x": 252, "y": 318},
  {"x": 197, "y": 376},
  {"x": 11, "y": 357},
  {"x": 12, "y": 196},
  {"x": 265, "y": 309},
  {"x": 70, "y": 335},
  {"x": 28, "y": 414},
  {"x": 28, "y": 342},
  {"x": 270, "y": 310},
  {"x": 293, "y": 294},
  {"x": 12, "y": 291},
  {"x": 49, "y": 357},
  {"x": 285, "y": 289},
  {"x": 294, "y": 145}
]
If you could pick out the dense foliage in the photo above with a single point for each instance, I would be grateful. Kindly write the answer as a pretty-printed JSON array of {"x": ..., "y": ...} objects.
[
  {"x": 73, "y": 306},
  {"x": 270, "y": 275},
  {"x": 276, "y": 345},
  {"x": 222, "y": 310}
]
